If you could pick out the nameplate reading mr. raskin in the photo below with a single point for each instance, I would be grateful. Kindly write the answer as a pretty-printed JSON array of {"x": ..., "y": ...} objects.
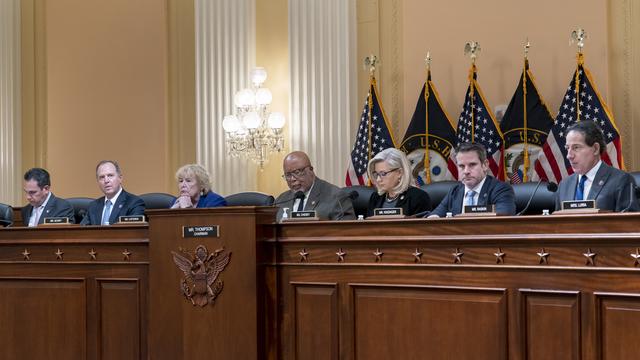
[
  {"x": 56, "y": 220},
  {"x": 387, "y": 211},
  {"x": 578, "y": 204},
  {"x": 303, "y": 214},
  {"x": 200, "y": 231}
]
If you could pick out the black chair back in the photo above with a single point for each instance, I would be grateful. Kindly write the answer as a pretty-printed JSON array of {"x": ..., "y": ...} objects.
[
  {"x": 6, "y": 215},
  {"x": 543, "y": 199},
  {"x": 157, "y": 200},
  {"x": 361, "y": 203},
  {"x": 80, "y": 207},
  {"x": 250, "y": 198},
  {"x": 438, "y": 190}
]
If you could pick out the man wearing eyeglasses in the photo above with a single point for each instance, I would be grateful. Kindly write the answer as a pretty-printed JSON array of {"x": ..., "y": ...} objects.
[
  {"x": 326, "y": 199},
  {"x": 42, "y": 202},
  {"x": 475, "y": 187}
]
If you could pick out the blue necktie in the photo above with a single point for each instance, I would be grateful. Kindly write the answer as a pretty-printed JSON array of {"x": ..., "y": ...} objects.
[
  {"x": 106, "y": 213},
  {"x": 580, "y": 188},
  {"x": 470, "y": 198}
]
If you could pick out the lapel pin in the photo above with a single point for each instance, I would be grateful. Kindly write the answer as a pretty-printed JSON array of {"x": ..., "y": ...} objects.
[
  {"x": 601, "y": 182},
  {"x": 120, "y": 207},
  {"x": 313, "y": 202}
]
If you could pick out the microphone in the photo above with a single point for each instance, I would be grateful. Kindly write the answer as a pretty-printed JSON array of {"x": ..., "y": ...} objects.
[
  {"x": 350, "y": 195},
  {"x": 298, "y": 195},
  {"x": 551, "y": 187},
  {"x": 421, "y": 214},
  {"x": 633, "y": 192}
]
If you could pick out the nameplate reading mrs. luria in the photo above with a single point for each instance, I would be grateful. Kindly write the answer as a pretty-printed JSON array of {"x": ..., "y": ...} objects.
[
  {"x": 201, "y": 231},
  {"x": 578, "y": 204},
  {"x": 56, "y": 220}
]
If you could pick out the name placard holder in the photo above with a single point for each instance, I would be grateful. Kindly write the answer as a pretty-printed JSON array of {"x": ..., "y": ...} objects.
[
  {"x": 303, "y": 216},
  {"x": 131, "y": 219},
  {"x": 578, "y": 207},
  {"x": 201, "y": 231},
  {"x": 387, "y": 213},
  {"x": 477, "y": 210},
  {"x": 55, "y": 221}
]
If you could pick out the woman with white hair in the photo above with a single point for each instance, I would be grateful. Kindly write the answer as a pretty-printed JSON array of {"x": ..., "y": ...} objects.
[
  {"x": 390, "y": 172},
  {"x": 195, "y": 189}
]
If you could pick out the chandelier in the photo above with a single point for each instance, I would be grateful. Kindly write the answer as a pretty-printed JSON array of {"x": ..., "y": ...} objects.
[{"x": 253, "y": 131}]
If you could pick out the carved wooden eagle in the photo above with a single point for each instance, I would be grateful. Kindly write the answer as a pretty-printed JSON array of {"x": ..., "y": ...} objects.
[{"x": 200, "y": 273}]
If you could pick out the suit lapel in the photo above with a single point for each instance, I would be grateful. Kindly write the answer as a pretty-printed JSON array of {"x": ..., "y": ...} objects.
[
  {"x": 457, "y": 199},
  {"x": 484, "y": 192},
  {"x": 314, "y": 196},
  {"x": 598, "y": 182},
  {"x": 115, "y": 209},
  {"x": 47, "y": 209}
]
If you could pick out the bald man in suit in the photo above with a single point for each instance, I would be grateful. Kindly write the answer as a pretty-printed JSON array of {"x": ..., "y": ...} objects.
[{"x": 327, "y": 200}]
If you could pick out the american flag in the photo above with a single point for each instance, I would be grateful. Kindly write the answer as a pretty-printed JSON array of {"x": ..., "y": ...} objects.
[
  {"x": 478, "y": 125},
  {"x": 552, "y": 165},
  {"x": 378, "y": 131}
]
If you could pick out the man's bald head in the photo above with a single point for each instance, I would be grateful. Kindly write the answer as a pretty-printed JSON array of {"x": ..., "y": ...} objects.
[{"x": 298, "y": 171}]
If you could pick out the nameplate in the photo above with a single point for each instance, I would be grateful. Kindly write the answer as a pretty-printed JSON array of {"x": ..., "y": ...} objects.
[
  {"x": 131, "y": 219},
  {"x": 469, "y": 209},
  {"x": 478, "y": 210},
  {"x": 387, "y": 212},
  {"x": 55, "y": 220},
  {"x": 303, "y": 214},
  {"x": 578, "y": 204},
  {"x": 200, "y": 231}
]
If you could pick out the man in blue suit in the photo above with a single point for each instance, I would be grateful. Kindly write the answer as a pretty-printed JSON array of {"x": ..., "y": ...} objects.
[
  {"x": 475, "y": 187},
  {"x": 592, "y": 179},
  {"x": 116, "y": 202},
  {"x": 42, "y": 202}
]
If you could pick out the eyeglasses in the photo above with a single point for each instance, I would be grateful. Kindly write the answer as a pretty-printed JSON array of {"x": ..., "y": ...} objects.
[
  {"x": 295, "y": 173},
  {"x": 382, "y": 174}
]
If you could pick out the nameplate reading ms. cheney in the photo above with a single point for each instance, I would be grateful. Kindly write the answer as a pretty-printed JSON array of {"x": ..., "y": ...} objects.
[{"x": 201, "y": 231}]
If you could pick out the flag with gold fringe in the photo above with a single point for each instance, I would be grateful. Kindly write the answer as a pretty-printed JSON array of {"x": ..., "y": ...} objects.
[
  {"x": 582, "y": 101},
  {"x": 525, "y": 126},
  {"x": 374, "y": 135},
  {"x": 430, "y": 128},
  {"x": 477, "y": 124}
]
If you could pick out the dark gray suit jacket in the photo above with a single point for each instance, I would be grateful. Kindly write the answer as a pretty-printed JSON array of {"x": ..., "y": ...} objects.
[
  {"x": 127, "y": 204},
  {"x": 328, "y": 200},
  {"x": 56, "y": 207},
  {"x": 611, "y": 189},
  {"x": 493, "y": 192}
]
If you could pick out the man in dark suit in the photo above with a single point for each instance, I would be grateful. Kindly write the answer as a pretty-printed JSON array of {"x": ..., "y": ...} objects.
[
  {"x": 475, "y": 188},
  {"x": 328, "y": 201},
  {"x": 592, "y": 179},
  {"x": 42, "y": 203},
  {"x": 116, "y": 202}
]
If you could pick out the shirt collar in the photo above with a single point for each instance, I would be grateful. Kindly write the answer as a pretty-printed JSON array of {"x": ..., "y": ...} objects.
[
  {"x": 115, "y": 198},
  {"x": 591, "y": 174},
  {"x": 477, "y": 188},
  {"x": 45, "y": 201}
]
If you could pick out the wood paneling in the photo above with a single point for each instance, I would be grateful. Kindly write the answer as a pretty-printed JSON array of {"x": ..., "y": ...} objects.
[
  {"x": 619, "y": 316},
  {"x": 316, "y": 321},
  {"x": 120, "y": 323},
  {"x": 42, "y": 318},
  {"x": 414, "y": 322},
  {"x": 551, "y": 324}
]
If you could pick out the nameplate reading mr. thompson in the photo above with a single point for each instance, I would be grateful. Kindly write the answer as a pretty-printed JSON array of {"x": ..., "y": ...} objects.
[{"x": 201, "y": 231}]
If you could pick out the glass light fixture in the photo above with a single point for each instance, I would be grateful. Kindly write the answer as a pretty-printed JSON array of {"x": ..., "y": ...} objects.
[{"x": 253, "y": 131}]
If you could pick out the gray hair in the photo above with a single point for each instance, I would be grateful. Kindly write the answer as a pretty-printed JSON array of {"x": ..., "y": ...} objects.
[
  {"x": 199, "y": 172},
  {"x": 396, "y": 160}
]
